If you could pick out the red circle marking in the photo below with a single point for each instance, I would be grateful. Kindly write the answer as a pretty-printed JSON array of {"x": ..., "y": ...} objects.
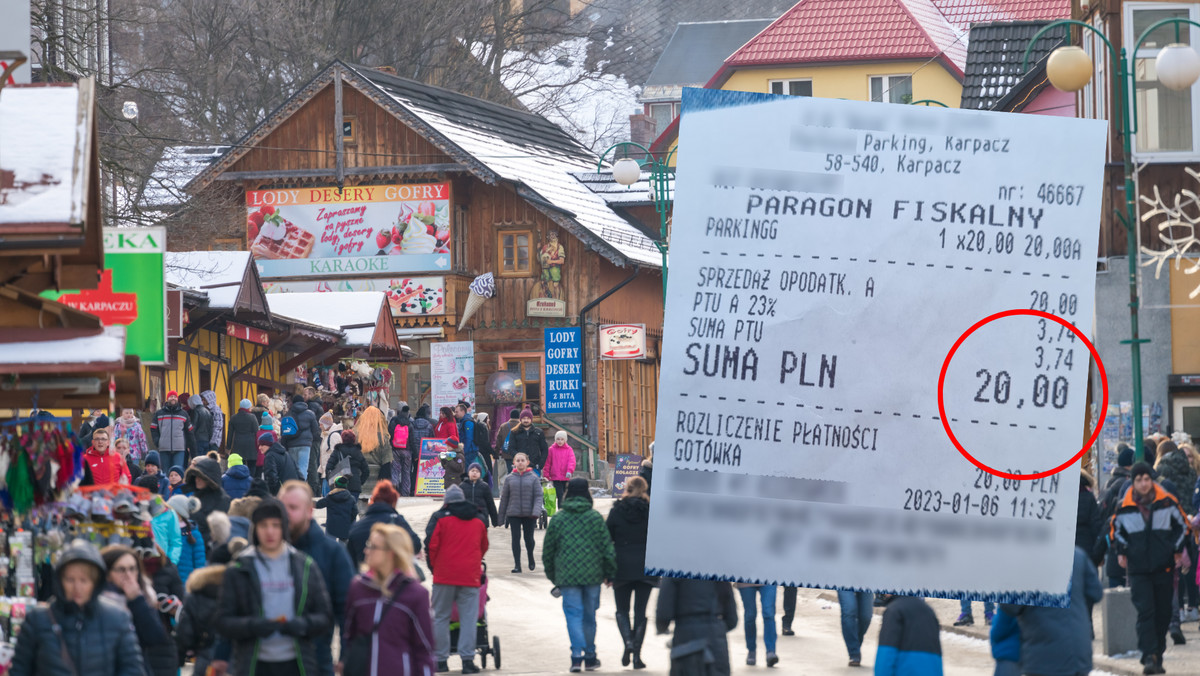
[{"x": 946, "y": 419}]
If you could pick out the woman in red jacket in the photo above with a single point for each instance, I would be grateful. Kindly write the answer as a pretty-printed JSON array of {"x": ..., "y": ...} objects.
[{"x": 447, "y": 426}]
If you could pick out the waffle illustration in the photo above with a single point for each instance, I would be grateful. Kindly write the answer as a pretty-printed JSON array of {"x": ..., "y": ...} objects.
[{"x": 297, "y": 243}]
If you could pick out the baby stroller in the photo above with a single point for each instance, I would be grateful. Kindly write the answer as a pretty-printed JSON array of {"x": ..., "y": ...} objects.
[
  {"x": 549, "y": 503},
  {"x": 482, "y": 643}
]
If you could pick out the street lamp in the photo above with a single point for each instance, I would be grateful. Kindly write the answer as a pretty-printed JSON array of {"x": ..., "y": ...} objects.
[
  {"x": 1069, "y": 68},
  {"x": 627, "y": 171}
]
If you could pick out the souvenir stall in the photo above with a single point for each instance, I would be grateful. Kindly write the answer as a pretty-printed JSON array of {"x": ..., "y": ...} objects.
[{"x": 350, "y": 385}]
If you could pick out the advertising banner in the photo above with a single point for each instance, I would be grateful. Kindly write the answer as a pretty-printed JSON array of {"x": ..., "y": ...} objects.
[
  {"x": 407, "y": 296},
  {"x": 564, "y": 371},
  {"x": 305, "y": 232},
  {"x": 430, "y": 475},
  {"x": 132, "y": 291},
  {"x": 875, "y": 362},
  {"x": 452, "y": 366},
  {"x": 622, "y": 341},
  {"x": 626, "y": 468}
]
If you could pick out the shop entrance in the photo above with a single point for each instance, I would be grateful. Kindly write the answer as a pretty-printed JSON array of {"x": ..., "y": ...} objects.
[{"x": 1185, "y": 414}]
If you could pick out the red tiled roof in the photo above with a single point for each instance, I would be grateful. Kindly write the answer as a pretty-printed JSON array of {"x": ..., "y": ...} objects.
[{"x": 830, "y": 31}]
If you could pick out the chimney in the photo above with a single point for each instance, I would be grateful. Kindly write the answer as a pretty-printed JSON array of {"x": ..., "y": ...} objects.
[{"x": 642, "y": 129}]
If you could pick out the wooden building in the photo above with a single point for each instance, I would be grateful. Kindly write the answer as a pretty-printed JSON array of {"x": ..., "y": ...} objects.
[{"x": 504, "y": 196}]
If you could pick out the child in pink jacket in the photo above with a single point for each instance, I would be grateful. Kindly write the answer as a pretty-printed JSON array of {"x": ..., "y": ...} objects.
[{"x": 560, "y": 464}]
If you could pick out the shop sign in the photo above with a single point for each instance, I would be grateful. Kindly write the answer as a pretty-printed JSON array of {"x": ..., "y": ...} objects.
[
  {"x": 545, "y": 307},
  {"x": 132, "y": 291},
  {"x": 626, "y": 467},
  {"x": 176, "y": 315},
  {"x": 301, "y": 232},
  {"x": 622, "y": 341},
  {"x": 452, "y": 366},
  {"x": 406, "y": 296},
  {"x": 249, "y": 333},
  {"x": 564, "y": 371}
]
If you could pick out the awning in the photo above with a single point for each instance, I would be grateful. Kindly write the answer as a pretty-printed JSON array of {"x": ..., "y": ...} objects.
[
  {"x": 70, "y": 372},
  {"x": 363, "y": 317}
]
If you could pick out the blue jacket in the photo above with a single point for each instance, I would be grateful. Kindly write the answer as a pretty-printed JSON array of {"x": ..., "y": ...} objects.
[
  {"x": 306, "y": 422},
  {"x": 909, "y": 644},
  {"x": 192, "y": 557},
  {"x": 236, "y": 481},
  {"x": 333, "y": 561},
  {"x": 1058, "y": 641},
  {"x": 1005, "y": 637}
]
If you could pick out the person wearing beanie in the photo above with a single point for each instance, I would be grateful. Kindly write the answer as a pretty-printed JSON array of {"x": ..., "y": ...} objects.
[
  {"x": 1147, "y": 532},
  {"x": 1114, "y": 490},
  {"x": 472, "y": 437},
  {"x": 1174, "y": 466},
  {"x": 192, "y": 553},
  {"x": 382, "y": 509},
  {"x": 530, "y": 440},
  {"x": 175, "y": 485},
  {"x": 173, "y": 433},
  {"x": 578, "y": 556},
  {"x": 236, "y": 480},
  {"x": 453, "y": 462},
  {"x": 340, "y": 507},
  {"x": 278, "y": 465},
  {"x": 348, "y": 453},
  {"x": 404, "y": 449},
  {"x": 479, "y": 494},
  {"x": 202, "y": 424},
  {"x": 152, "y": 467},
  {"x": 455, "y": 554},
  {"x": 203, "y": 481},
  {"x": 560, "y": 465},
  {"x": 243, "y": 435},
  {"x": 273, "y": 601}
]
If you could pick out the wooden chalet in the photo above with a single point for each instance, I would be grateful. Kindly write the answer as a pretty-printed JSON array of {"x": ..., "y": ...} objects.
[{"x": 511, "y": 189}]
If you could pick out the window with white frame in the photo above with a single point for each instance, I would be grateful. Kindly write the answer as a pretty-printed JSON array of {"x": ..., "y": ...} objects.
[
  {"x": 1166, "y": 126},
  {"x": 891, "y": 88},
  {"x": 663, "y": 114},
  {"x": 791, "y": 87}
]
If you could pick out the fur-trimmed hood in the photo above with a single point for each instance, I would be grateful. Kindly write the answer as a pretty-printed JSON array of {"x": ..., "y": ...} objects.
[
  {"x": 206, "y": 578},
  {"x": 219, "y": 527}
]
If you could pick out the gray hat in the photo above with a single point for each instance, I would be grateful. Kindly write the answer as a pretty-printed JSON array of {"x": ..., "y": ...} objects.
[{"x": 454, "y": 494}]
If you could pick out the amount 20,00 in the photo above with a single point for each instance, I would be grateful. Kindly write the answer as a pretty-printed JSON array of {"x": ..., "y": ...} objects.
[
  {"x": 1033, "y": 246},
  {"x": 999, "y": 390}
]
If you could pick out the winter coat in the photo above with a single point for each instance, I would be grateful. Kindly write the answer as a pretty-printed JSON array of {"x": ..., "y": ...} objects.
[
  {"x": 457, "y": 546},
  {"x": 172, "y": 429},
  {"x": 236, "y": 481},
  {"x": 196, "y": 630},
  {"x": 360, "y": 532},
  {"x": 577, "y": 550},
  {"x": 627, "y": 523},
  {"x": 560, "y": 463},
  {"x": 504, "y": 440},
  {"x": 334, "y": 563},
  {"x": 202, "y": 424},
  {"x": 192, "y": 556},
  {"x": 239, "y": 617},
  {"x": 1005, "y": 637},
  {"x": 1174, "y": 467},
  {"x": 1089, "y": 525},
  {"x": 99, "y": 635},
  {"x": 414, "y": 444},
  {"x": 158, "y": 654},
  {"x": 358, "y": 465},
  {"x": 339, "y": 508},
  {"x": 445, "y": 429},
  {"x": 1058, "y": 641},
  {"x": 1152, "y": 549},
  {"x": 474, "y": 440},
  {"x": 480, "y": 494},
  {"x": 278, "y": 467},
  {"x": 217, "y": 437},
  {"x": 138, "y": 448},
  {"x": 647, "y": 472},
  {"x": 306, "y": 423},
  {"x": 909, "y": 644},
  {"x": 168, "y": 535},
  {"x": 213, "y": 498},
  {"x": 423, "y": 426},
  {"x": 404, "y": 642},
  {"x": 521, "y": 495},
  {"x": 108, "y": 467},
  {"x": 703, "y": 612},
  {"x": 453, "y": 468},
  {"x": 329, "y": 441},
  {"x": 532, "y": 442},
  {"x": 243, "y": 435}
]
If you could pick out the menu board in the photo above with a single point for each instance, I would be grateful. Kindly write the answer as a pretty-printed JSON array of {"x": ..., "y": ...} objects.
[
  {"x": 431, "y": 476},
  {"x": 377, "y": 229},
  {"x": 452, "y": 366},
  {"x": 873, "y": 373},
  {"x": 564, "y": 370}
]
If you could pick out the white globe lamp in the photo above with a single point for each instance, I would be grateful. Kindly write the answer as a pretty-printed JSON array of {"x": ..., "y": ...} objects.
[
  {"x": 1177, "y": 66},
  {"x": 626, "y": 171}
]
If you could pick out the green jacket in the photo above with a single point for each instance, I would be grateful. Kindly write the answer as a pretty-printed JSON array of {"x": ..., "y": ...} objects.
[{"x": 577, "y": 550}]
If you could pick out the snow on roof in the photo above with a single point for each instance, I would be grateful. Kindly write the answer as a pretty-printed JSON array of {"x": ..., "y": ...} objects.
[
  {"x": 334, "y": 310},
  {"x": 603, "y": 184},
  {"x": 44, "y": 143},
  {"x": 105, "y": 348},
  {"x": 177, "y": 166},
  {"x": 218, "y": 273},
  {"x": 543, "y": 167}
]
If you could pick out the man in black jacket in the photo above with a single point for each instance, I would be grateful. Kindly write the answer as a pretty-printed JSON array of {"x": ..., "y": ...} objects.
[
  {"x": 530, "y": 440},
  {"x": 300, "y": 445},
  {"x": 278, "y": 466},
  {"x": 313, "y": 400},
  {"x": 273, "y": 602}
]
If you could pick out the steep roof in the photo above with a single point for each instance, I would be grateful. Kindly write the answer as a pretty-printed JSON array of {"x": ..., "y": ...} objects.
[
  {"x": 994, "y": 61},
  {"x": 698, "y": 49},
  {"x": 493, "y": 142},
  {"x": 836, "y": 31},
  {"x": 174, "y": 170}
]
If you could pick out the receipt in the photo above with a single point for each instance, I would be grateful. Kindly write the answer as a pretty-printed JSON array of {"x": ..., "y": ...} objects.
[{"x": 826, "y": 257}]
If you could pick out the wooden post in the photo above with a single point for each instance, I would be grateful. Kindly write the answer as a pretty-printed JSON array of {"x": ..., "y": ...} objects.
[{"x": 339, "y": 133}]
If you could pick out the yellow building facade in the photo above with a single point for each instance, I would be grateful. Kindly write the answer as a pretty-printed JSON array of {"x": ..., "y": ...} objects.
[{"x": 853, "y": 81}]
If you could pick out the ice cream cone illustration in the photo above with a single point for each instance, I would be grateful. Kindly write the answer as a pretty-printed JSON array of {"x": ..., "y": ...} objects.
[{"x": 482, "y": 288}]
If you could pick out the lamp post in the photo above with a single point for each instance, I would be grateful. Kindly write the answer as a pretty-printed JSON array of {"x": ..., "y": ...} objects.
[
  {"x": 1069, "y": 69},
  {"x": 627, "y": 171}
]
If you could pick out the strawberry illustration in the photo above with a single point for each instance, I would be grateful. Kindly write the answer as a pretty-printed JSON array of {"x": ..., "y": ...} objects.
[
  {"x": 397, "y": 237},
  {"x": 251, "y": 230},
  {"x": 267, "y": 210},
  {"x": 431, "y": 230},
  {"x": 381, "y": 239},
  {"x": 256, "y": 217}
]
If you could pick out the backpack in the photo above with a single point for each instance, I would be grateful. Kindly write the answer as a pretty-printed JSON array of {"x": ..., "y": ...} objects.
[
  {"x": 468, "y": 437},
  {"x": 400, "y": 436},
  {"x": 288, "y": 427}
]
